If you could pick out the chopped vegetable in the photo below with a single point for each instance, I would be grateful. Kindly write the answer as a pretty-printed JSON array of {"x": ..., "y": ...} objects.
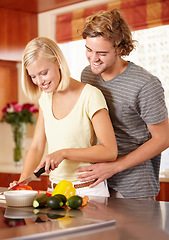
[
  {"x": 40, "y": 200},
  {"x": 23, "y": 187},
  {"x": 49, "y": 193},
  {"x": 62, "y": 197},
  {"x": 64, "y": 187},
  {"x": 85, "y": 200}
]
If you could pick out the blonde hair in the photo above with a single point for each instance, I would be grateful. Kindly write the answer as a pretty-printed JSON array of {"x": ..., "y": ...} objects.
[
  {"x": 42, "y": 47},
  {"x": 111, "y": 25}
]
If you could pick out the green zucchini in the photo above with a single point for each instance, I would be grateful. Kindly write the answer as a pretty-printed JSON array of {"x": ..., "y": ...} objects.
[
  {"x": 74, "y": 202},
  {"x": 40, "y": 200},
  {"x": 54, "y": 202}
]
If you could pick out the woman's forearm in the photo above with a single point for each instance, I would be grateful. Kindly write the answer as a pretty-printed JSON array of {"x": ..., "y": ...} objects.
[
  {"x": 97, "y": 153},
  {"x": 32, "y": 160}
]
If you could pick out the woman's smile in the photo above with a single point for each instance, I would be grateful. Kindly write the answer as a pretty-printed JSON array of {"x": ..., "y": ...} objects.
[
  {"x": 45, "y": 85},
  {"x": 45, "y": 74}
]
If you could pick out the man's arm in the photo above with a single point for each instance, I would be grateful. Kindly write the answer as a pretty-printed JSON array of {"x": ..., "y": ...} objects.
[{"x": 158, "y": 143}]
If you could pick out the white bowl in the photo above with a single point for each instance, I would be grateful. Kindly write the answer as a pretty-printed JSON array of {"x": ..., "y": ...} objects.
[{"x": 20, "y": 198}]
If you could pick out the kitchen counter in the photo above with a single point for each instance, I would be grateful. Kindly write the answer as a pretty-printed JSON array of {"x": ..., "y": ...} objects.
[{"x": 115, "y": 219}]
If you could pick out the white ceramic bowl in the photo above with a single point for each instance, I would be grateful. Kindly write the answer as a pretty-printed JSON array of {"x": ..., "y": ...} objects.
[{"x": 20, "y": 198}]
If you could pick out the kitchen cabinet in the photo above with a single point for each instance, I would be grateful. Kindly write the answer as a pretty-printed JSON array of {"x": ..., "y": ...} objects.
[
  {"x": 6, "y": 178},
  {"x": 8, "y": 83},
  {"x": 17, "y": 29},
  {"x": 164, "y": 192}
]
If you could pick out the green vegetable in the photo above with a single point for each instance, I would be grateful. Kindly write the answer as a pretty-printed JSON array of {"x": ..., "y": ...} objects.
[
  {"x": 74, "y": 202},
  {"x": 62, "y": 197},
  {"x": 40, "y": 200},
  {"x": 54, "y": 202}
]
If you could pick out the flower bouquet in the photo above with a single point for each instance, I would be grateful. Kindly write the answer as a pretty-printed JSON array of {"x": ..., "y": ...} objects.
[{"x": 18, "y": 116}]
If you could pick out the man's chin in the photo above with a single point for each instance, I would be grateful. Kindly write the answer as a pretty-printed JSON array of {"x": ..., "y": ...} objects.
[{"x": 96, "y": 71}]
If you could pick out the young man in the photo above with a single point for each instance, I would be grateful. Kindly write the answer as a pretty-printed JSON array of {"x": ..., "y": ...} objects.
[{"x": 136, "y": 105}]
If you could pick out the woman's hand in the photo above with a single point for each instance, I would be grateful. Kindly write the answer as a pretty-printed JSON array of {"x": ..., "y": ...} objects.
[
  {"x": 13, "y": 184},
  {"x": 99, "y": 171},
  {"x": 51, "y": 161}
]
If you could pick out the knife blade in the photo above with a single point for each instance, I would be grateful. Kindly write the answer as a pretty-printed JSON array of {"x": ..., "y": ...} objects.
[{"x": 34, "y": 176}]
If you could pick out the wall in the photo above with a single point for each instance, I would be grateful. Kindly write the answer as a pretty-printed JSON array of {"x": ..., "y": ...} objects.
[
  {"x": 46, "y": 21},
  {"x": 6, "y": 137},
  {"x": 17, "y": 28}
]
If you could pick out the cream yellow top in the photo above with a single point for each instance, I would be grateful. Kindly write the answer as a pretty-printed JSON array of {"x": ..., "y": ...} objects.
[{"x": 73, "y": 131}]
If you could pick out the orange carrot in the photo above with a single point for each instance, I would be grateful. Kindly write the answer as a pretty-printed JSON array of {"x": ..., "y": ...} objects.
[{"x": 85, "y": 200}]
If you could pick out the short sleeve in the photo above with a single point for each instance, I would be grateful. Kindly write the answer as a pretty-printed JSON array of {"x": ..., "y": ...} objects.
[
  {"x": 96, "y": 101},
  {"x": 152, "y": 102}
]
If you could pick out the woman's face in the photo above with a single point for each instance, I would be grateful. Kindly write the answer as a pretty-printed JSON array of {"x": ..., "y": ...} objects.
[{"x": 45, "y": 74}]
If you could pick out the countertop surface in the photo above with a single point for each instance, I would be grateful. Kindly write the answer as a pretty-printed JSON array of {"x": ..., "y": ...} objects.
[{"x": 114, "y": 219}]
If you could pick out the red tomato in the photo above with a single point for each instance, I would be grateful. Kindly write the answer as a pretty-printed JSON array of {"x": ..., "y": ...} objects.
[
  {"x": 23, "y": 187},
  {"x": 49, "y": 194}
]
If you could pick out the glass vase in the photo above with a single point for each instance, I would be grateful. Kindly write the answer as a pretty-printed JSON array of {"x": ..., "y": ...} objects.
[{"x": 19, "y": 132}]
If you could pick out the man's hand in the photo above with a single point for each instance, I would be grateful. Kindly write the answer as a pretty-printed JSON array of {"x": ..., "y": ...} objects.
[{"x": 98, "y": 171}]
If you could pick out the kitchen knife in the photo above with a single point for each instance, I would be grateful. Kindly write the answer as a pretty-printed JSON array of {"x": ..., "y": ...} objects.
[{"x": 34, "y": 176}]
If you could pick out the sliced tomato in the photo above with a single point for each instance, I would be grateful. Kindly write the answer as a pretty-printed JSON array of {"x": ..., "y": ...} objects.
[
  {"x": 23, "y": 187},
  {"x": 49, "y": 194}
]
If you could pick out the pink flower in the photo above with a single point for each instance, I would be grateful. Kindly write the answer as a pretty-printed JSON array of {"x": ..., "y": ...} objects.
[
  {"x": 17, "y": 107},
  {"x": 33, "y": 109},
  {"x": 14, "y": 113},
  {"x": 30, "y": 107}
]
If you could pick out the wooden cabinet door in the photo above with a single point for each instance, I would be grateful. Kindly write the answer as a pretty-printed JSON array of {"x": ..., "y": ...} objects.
[
  {"x": 8, "y": 83},
  {"x": 164, "y": 192},
  {"x": 6, "y": 178}
]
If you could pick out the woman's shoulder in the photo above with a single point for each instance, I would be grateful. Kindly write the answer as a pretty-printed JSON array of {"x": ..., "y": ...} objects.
[
  {"x": 87, "y": 88},
  {"x": 92, "y": 88}
]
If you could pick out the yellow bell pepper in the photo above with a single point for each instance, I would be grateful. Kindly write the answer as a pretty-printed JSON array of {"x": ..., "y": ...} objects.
[{"x": 64, "y": 187}]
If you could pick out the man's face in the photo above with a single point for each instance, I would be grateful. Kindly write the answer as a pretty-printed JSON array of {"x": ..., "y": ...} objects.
[{"x": 101, "y": 55}]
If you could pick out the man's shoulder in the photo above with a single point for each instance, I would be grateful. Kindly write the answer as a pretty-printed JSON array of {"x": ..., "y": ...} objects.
[
  {"x": 140, "y": 75},
  {"x": 88, "y": 76},
  {"x": 87, "y": 70},
  {"x": 140, "y": 71}
]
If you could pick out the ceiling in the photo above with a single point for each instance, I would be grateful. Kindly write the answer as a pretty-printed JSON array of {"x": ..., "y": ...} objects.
[{"x": 36, "y": 6}]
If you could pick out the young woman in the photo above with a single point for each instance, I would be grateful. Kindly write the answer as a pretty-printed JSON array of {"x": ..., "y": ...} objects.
[{"x": 73, "y": 119}]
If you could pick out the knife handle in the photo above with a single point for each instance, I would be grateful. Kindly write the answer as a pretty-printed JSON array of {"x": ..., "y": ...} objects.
[{"x": 41, "y": 170}]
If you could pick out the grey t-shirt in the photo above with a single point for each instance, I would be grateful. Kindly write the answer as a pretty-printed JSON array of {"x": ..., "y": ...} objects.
[{"x": 135, "y": 98}]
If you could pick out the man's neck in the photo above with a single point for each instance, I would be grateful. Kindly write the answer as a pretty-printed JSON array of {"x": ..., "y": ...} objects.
[{"x": 118, "y": 69}]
